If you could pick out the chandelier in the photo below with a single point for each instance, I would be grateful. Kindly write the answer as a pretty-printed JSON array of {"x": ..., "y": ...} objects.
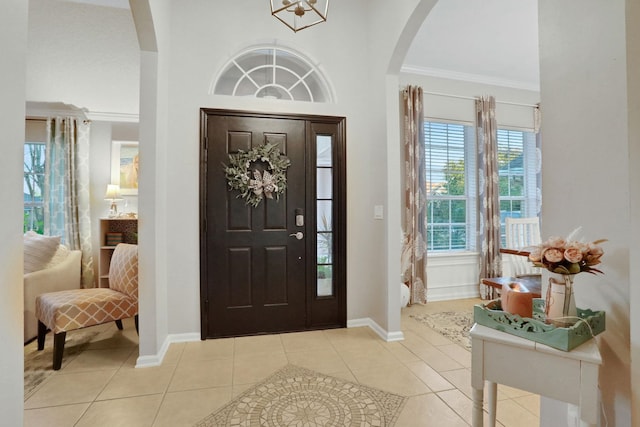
[{"x": 299, "y": 15}]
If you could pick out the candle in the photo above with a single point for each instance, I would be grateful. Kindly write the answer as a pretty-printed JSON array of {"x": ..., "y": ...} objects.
[{"x": 516, "y": 299}]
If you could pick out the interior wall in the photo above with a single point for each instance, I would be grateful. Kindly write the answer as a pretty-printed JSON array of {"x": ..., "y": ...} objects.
[
  {"x": 99, "y": 42},
  {"x": 13, "y": 45},
  {"x": 198, "y": 53},
  {"x": 387, "y": 49},
  {"x": 586, "y": 179},
  {"x": 577, "y": 47},
  {"x": 99, "y": 176},
  {"x": 97, "y": 73},
  {"x": 633, "y": 99},
  {"x": 102, "y": 135},
  {"x": 451, "y": 99},
  {"x": 154, "y": 32}
]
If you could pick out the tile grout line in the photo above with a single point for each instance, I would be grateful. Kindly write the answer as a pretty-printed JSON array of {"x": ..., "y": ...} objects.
[
  {"x": 346, "y": 342},
  {"x": 98, "y": 394},
  {"x": 166, "y": 389}
]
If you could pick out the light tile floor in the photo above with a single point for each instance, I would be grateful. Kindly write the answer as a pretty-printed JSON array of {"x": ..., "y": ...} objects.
[{"x": 102, "y": 387}]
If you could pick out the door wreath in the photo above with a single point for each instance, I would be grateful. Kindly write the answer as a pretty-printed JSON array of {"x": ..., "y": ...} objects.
[{"x": 253, "y": 184}]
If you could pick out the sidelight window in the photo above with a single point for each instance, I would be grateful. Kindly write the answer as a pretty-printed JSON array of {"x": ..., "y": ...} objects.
[{"x": 324, "y": 216}]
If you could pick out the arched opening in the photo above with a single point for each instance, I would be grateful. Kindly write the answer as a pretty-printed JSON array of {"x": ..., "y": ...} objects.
[{"x": 452, "y": 76}]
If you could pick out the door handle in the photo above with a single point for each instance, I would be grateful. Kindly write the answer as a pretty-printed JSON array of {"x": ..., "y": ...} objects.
[{"x": 299, "y": 235}]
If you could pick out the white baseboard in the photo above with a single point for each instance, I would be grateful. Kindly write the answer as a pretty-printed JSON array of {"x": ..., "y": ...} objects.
[
  {"x": 367, "y": 321},
  {"x": 156, "y": 359},
  {"x": 447, "y": 293}
]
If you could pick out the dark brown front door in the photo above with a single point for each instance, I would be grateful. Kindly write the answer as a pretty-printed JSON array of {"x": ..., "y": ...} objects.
[{"x": 257, "y": 276}]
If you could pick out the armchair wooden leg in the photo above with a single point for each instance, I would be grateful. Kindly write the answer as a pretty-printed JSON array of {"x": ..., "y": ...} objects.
[
  {"x": 119, "y": 324},
  {"x": 42, "y": 331},
  {"x": 135, "y": 319},
  {"x": 58, "y": 349}
]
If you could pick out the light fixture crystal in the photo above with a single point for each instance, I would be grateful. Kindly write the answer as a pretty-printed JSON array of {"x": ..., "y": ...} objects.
[{"x": 299, "y": 15}]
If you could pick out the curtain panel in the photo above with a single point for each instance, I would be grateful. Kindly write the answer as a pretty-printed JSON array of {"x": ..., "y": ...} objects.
[
  {"x": 66, "y": 199},
  {"x": 489, "y": 195},
  {"x": 537, "y": 123},
  {"x": 414, "y": 251}
]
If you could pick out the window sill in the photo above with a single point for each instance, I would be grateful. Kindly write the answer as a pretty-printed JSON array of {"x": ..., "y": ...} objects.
[{"x": 462, "y": 254}]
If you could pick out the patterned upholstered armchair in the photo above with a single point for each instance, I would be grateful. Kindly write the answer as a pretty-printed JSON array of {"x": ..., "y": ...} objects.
[{"x": 80, "y": 308}]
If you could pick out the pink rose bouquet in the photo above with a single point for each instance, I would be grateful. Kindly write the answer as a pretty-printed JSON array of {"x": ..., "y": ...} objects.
[{"x": 566, "y": 256}]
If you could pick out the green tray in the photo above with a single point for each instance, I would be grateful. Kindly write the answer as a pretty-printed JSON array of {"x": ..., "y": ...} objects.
[{"x": 535, "y": 329}]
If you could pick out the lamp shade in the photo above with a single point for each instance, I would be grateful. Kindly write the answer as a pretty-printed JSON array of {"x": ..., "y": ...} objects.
[
  {"x": 300, "y": 14},
  {"x": 113, "y": 192}
]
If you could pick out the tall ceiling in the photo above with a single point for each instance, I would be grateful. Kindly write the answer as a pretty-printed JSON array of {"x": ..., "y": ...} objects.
[
  {"x": 485, "y": 41},
  {"x": 488, "y": 41}
]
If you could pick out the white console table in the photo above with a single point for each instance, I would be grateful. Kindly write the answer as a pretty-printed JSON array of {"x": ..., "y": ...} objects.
[{"x": 501, "y": 358}]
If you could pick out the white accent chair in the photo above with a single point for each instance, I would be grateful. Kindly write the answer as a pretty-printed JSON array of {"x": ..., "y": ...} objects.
[
  {"x": 64, "y": 311},
  {"x": 55, "y": 268},
  {"x": 521, "y": 234}
]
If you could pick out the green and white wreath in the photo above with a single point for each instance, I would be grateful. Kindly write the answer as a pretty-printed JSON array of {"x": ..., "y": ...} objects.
[{"x": 252, "y": 184}]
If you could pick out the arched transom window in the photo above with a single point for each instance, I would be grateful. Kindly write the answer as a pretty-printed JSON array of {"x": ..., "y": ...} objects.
[{"x": 268, "y": 72}]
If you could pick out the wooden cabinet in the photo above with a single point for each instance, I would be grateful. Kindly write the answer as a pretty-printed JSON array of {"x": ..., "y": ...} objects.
[{"x": 112, "y": 231}]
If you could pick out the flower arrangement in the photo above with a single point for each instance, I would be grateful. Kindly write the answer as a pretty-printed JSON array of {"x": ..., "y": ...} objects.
[
  {"x": 567, "y": 256},
  {"x": 253, "y": 185}
]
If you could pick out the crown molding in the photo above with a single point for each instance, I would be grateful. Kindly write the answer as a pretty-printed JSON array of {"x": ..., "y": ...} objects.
[
  {"x": 469, "y": 77},
  {"x": 118, "y": 4},
  {"x": 54, "y": 109},
  {"x": 101, "y": 116},
  {"x": 36, "y": 110}
]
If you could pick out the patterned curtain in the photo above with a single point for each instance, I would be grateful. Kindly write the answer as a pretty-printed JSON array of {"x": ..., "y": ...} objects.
[
  {"x": 489, "y": 210},
  {"x": 414, "y": 260},
  {"x": 537, "y": 120},
  {"x": 66, "y": 194}
]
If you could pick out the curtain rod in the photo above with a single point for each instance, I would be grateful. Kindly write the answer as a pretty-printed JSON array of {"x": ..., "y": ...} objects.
[
  {"x": 42, "y": 119},
  {"x": 474, "y": 98}
]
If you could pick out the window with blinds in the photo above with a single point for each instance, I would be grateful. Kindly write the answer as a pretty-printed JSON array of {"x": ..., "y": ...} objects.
[
  {"x": 517, "y": 171},
  {"x": 451, "y": 182},
  {"x": 449, "y": 186}
]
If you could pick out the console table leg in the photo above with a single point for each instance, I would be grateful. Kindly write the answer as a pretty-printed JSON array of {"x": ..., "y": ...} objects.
[
  {"x": 492, "y": 389},
  {"x": 477, "y": 416}
]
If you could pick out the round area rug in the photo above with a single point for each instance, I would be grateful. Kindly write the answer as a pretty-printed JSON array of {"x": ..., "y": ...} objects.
[{"x": 296, "y": 396}]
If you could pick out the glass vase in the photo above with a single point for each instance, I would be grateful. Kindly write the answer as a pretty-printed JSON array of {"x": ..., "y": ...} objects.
[{"x": 560, "y": 304}]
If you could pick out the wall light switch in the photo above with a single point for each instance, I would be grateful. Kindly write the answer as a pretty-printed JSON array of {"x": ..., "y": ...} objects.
[{"x": 378, "y": 212}]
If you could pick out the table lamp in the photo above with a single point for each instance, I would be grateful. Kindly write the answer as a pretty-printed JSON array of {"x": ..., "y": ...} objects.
[{"x": 113, "y": 194}]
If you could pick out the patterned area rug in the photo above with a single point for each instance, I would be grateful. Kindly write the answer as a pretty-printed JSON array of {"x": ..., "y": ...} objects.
[
  {"x": 38, "y": 364},
  {"x": 296, "y": 396},
  {"x": 454, "y": 325}
]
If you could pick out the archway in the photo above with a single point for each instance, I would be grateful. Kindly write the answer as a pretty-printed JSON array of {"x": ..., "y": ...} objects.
[{"x": 394, "y": 167}]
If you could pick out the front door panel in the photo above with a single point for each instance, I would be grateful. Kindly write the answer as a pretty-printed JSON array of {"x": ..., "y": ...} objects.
[{"x": 258, "y": 275}]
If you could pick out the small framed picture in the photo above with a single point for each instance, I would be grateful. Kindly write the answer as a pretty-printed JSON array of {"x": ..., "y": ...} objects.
[{"x": 124, "y": 166}]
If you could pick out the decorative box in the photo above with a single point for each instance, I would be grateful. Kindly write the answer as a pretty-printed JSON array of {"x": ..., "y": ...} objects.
[
  {"x": 113, "y": 238},
  {"x": 562, "y": 338}
]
